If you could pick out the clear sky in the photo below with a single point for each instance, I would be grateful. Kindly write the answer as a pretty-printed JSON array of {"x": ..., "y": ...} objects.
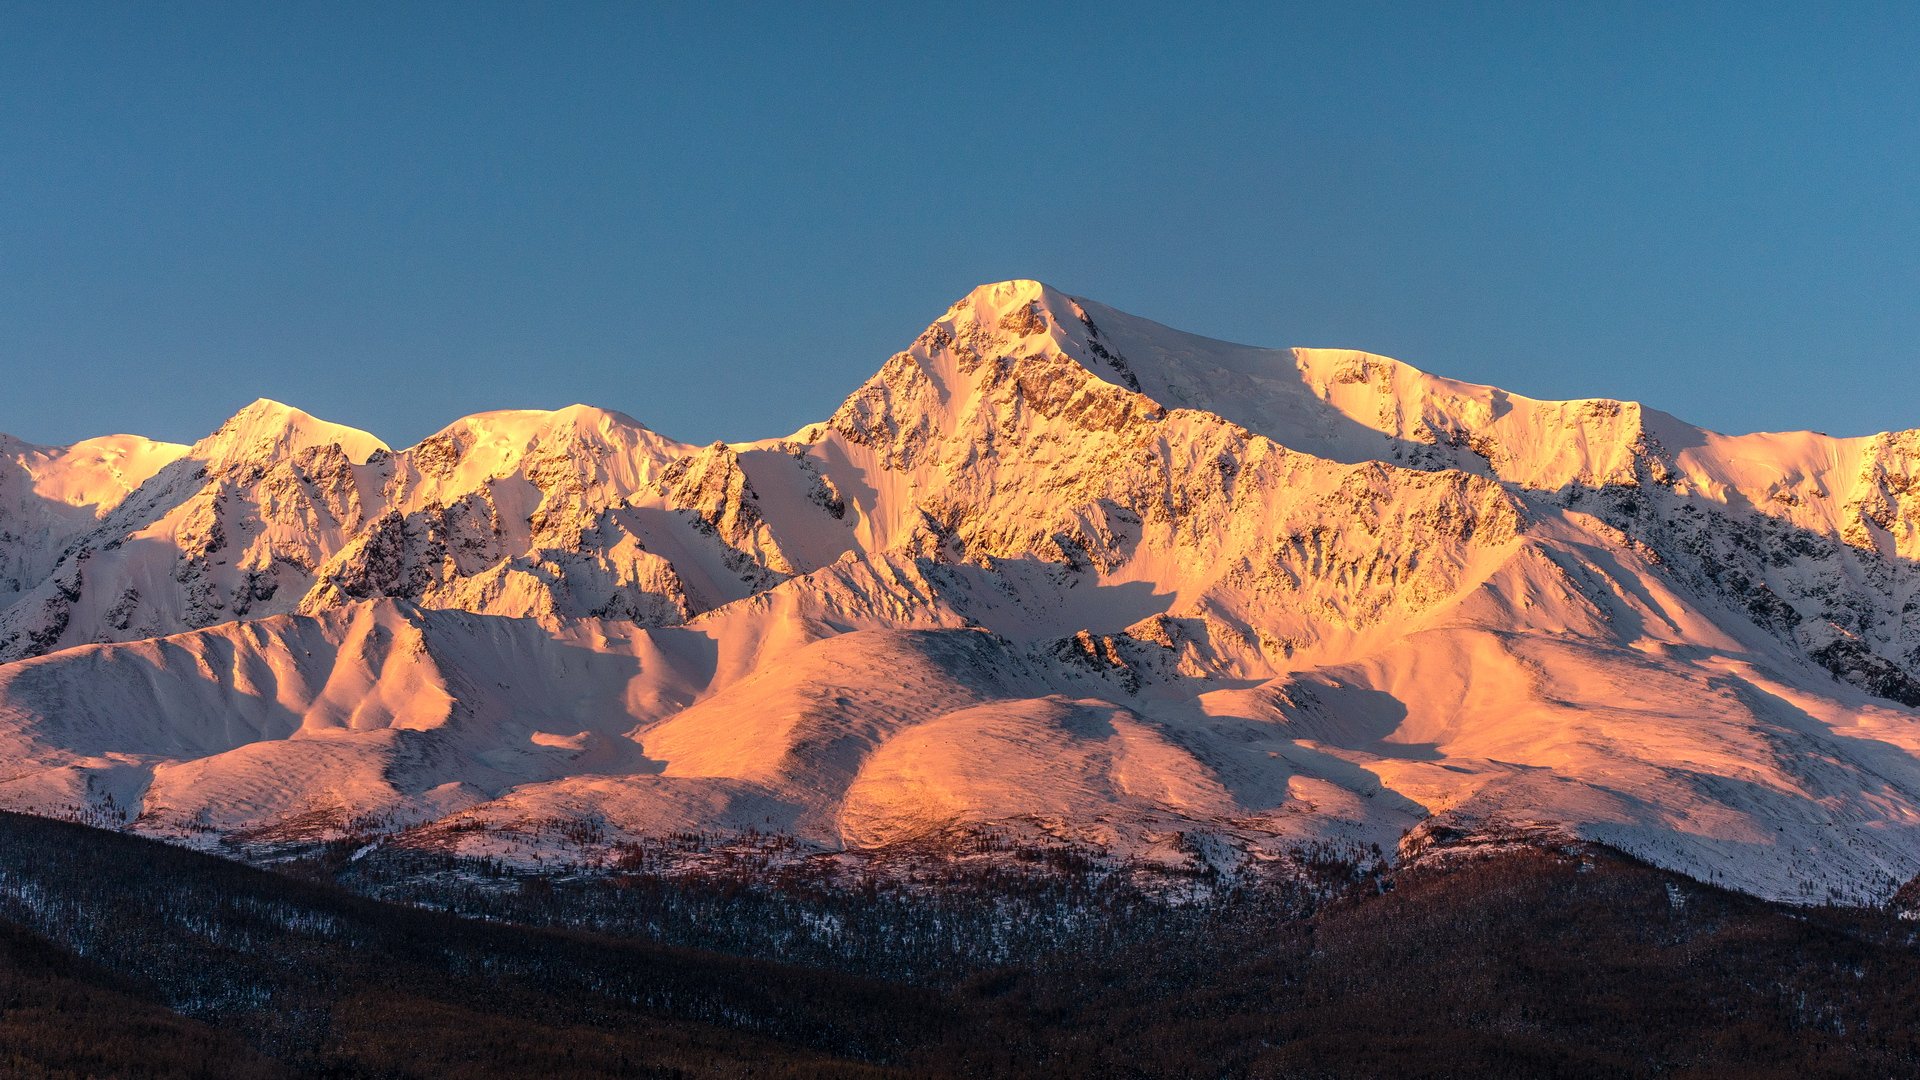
[{"x": 720, "y": 219}]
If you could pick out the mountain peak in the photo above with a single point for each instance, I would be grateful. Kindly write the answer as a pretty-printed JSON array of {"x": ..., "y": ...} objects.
[
  {"x": 999, "y": 294},
  {"x": 593, "y": 416},
  {"x": 523, "y": 428},
  {"x": 1017, "y": 308},
  {"x": 267, "y": 429}
]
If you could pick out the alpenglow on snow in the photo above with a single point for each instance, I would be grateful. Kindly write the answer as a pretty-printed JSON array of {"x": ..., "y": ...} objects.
[{"x": 1053, "y": 571}]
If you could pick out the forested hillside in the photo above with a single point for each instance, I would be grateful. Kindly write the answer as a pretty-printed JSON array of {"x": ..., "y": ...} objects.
[{"x": 1502, "y": 960}]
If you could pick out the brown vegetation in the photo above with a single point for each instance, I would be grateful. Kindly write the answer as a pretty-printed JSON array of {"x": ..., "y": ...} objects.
[{"x": 1527, "y": 961}]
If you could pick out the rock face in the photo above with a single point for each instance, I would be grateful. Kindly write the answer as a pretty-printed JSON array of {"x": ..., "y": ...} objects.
[{"x": 1054, "y": 571}]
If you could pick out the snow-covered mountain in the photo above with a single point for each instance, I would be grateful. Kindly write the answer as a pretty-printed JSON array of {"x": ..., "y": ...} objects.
[{"x": 1054, "y": 570}]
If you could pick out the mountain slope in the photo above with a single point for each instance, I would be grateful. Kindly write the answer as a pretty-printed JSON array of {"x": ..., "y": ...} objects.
[
  {"x": 51, "y": 495},
  {"x": 1053, "y": 570}
]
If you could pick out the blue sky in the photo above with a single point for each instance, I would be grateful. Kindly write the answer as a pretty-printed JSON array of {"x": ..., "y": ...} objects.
[{"x": 720, "y": 219}]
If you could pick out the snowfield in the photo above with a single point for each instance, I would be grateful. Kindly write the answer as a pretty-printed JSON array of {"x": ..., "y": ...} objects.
[{"x": 1054, "y": 570}]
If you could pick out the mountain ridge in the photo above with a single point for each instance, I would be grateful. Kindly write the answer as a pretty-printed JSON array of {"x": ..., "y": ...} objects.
[{"x": 1193, "y": 588}]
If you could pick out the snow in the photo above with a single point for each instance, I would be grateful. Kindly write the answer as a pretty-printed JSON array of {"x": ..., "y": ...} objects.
[
  {"x": 267, "y": 430},
  {"x": 1053, "y": 570},
  {"x": 51, "y": 495}
]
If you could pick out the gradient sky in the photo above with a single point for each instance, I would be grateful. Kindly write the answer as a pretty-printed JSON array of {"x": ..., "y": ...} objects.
[{"x": 721, "y": 219}]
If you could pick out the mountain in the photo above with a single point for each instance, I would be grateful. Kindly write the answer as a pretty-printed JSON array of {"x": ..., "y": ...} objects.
[
  {"x": 1054, "y": 572},
  {"x": 50, "y": 495}
]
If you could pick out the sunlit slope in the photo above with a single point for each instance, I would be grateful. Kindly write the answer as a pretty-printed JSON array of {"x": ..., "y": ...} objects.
[
  {"x": 384, "y": 715},
  {"x": 1053, "y": 571},
  {"x": 50, "y": 495}
]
